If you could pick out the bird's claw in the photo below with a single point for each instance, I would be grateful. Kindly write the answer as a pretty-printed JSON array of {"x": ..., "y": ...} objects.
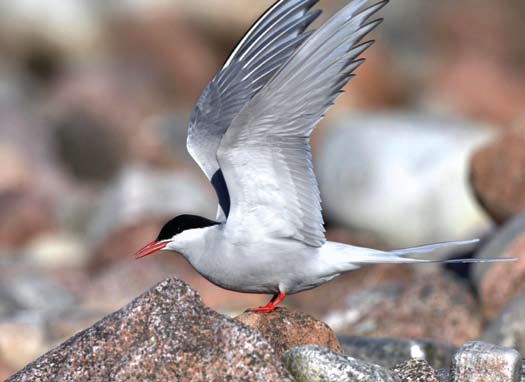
[
  {"x": 263, "y": 309},
  {"x": 272, "y": 304}
]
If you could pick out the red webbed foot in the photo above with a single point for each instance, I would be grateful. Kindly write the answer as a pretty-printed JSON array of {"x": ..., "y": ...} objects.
[{"x": 272, "y": 304}]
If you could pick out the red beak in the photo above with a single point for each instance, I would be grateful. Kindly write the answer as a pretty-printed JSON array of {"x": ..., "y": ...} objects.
[{"x": 150, "y": 248}]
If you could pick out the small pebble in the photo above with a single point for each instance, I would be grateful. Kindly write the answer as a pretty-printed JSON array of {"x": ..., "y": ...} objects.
[{"x": 415, "y": 370}]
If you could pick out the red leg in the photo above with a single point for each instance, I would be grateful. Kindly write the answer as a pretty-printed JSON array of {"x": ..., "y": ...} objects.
[{"x": 270, "y": 307}]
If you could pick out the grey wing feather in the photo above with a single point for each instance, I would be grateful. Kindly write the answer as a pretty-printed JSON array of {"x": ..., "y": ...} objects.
[
  {"x": 265, "y": 154},
  {"x": 262, "y": 51}
]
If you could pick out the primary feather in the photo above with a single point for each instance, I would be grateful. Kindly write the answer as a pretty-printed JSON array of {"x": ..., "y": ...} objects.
[
  {"x": 265, "y": 154},
  {"x": 263, "y": 50}
]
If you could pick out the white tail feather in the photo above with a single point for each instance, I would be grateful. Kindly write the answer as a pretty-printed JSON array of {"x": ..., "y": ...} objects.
[
  {"x": 431, "y": 247},
  {"x": 398, "y": 256}
]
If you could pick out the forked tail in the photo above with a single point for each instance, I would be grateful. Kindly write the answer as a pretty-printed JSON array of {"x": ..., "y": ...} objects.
[{"x": 400, "y": 255}]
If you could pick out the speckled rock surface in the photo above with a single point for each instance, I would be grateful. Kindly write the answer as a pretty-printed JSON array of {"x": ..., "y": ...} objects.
[
  {"x": 509, "y": 328},
  {"x": 285, "y": 329},
  {"x": 389, "y": 352},
  {"x": 497, "y": 174},
  {"x": 415, "y": 370},
  {"x": 313, "y": 363},
  {"x": 166, "y": 334},
  {"x": 478, "y": 361},
  {"x": 443, "y": 375},
  {"x": 499, "y": 283}
]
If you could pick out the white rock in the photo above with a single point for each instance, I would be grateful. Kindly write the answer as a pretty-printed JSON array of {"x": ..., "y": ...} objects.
[
  {"x": 56, "y": 250},
  {"x": 401, "y": 176}
]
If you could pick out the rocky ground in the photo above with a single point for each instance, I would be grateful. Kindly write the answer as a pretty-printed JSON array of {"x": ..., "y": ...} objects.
[
  {"x": 167, "y": 333},
  {"x": 393, "y": 323},
  {"x": 426, "y": 145}
]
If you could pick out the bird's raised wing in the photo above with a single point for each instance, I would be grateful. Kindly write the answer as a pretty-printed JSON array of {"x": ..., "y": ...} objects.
[
  {"x": 265, "y": 154},
  {"x": 268, "y": 44}
]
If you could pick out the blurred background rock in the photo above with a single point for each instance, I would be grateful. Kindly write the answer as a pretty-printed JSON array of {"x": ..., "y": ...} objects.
[{"x": 94, "y": 100}]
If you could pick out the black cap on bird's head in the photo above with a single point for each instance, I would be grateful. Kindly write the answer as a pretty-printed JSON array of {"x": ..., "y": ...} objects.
[
  {"x": 182, "y": 223},
  {"x": 172, "y": 228}
]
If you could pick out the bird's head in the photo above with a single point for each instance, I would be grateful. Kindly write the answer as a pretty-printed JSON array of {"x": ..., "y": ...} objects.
[{"x": 177, "y": 234}]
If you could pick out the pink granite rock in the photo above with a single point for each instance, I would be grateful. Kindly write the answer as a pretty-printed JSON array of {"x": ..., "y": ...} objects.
[
  {"x": 285, "y": 329},
  {"x": 166, "y": 334}
]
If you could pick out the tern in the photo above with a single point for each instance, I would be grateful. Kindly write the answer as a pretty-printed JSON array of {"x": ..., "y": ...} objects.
[{"x": 249, "y": 133}]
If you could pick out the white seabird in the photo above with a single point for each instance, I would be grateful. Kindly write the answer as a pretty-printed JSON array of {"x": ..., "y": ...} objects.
[{"x": 249, "y": 133}]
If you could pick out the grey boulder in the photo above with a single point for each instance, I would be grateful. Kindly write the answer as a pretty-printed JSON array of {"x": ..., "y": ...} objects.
[
  {"x": 389, "y": 352},
  {"x": 478, "y": 361},
  {"x": 421, "y": 159},
  {"x": 314, "y": 363}
]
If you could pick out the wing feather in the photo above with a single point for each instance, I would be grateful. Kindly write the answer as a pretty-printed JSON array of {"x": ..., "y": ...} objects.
[
  {"x": 262, "y": 51},
  {"x": 265, "y": 154}
]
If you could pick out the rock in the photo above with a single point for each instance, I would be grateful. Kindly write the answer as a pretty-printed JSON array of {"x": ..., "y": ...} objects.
[
  {"x": 25, "y": 26},
  {"x": 388, "y": 352},
  {"x": 24, "y": 214},
  {"x": 497, "y": 174},
  {"x": 314, "y": 363},
  {"x": 483, "y": 362},
  {"x": 459, "y": 59},
  {"x": 509, "y": 328},
  {"x": 415, "y": 370},
  {"x": 164, "y": 334},
  {"x": 89, "y": 149},
  {"x": 285, "y": 329},
  {"x": 443, "y": 375},
  {"x": 434, "y": 305},
  {"x": 160, "y": 56},
  {"x": 426, "y": 184},
  {"x": 56, "y": 250},
  {"x": 454, "y": 34},
  {"x": 499, "y": 283},
  {"x": 456, "y": 83},
  {"x": 27, "y": 182},
  {"x": 106, "y": 99}
]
